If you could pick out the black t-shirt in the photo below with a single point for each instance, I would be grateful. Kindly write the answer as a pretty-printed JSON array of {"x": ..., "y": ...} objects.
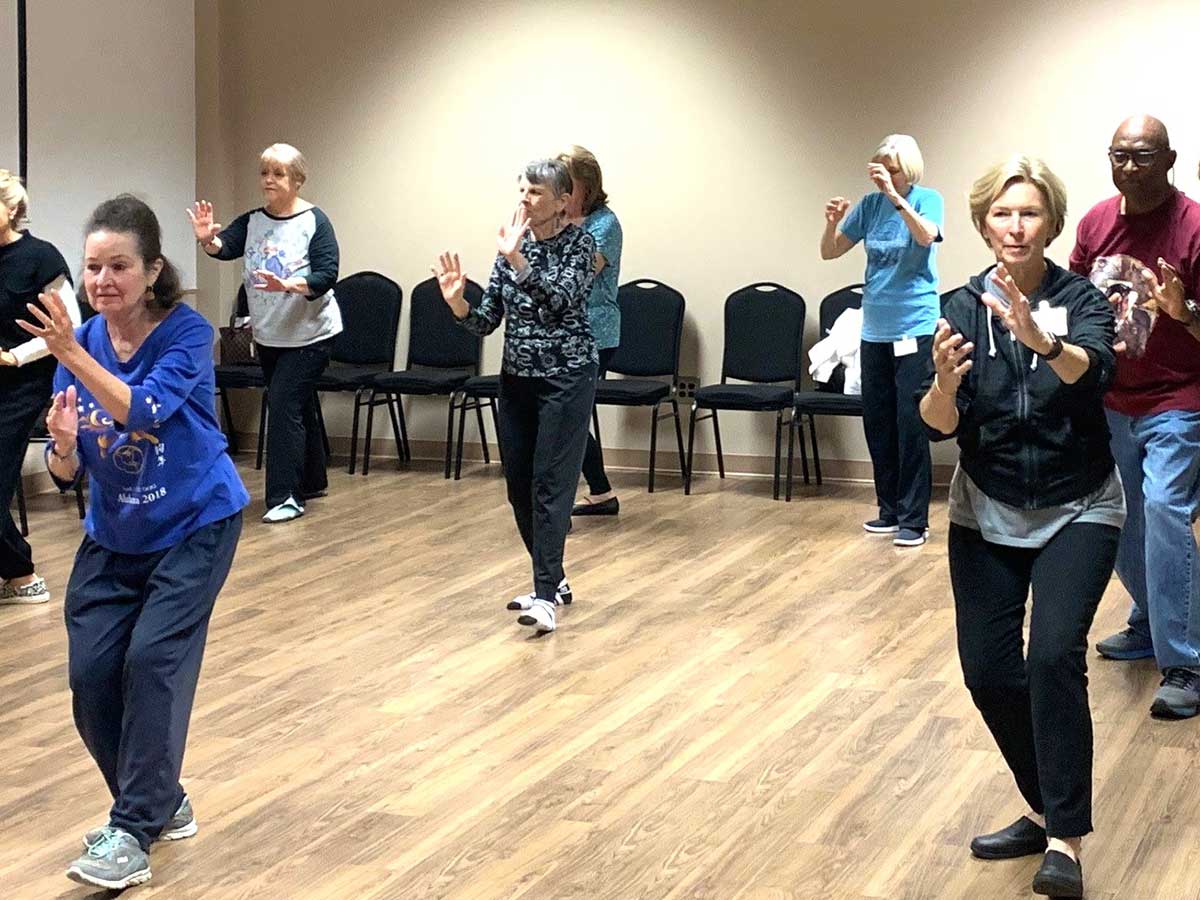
[{"x": 26, "y": 267}]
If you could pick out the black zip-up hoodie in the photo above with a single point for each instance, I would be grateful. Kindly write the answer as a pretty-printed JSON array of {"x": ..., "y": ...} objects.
[{"x": 1027, "y": 438}]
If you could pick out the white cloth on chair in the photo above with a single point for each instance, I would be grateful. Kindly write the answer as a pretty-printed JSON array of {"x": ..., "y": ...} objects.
[{"x": 839, "y": 348}]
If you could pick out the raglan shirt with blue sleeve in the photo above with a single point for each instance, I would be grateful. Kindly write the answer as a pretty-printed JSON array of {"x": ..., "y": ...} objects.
[
  {"x": 900, "y": 299},
  {"x": 164, "y": 474},
  {"x": 604, "y": 312},
  {"x": 301, "y": 245}
]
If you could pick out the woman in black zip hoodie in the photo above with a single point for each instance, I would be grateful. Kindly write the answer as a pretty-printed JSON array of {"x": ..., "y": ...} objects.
[{"x": 1023, "y": 356}]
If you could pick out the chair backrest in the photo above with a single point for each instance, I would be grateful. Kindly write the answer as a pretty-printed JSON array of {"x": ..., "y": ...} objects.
[
  {"x": 849, "y": 297},
  {"x": 435, "y": 340},
  {"x": 764, "y": 330},
  {"x": 370, "y": 306},
  {"x": 651, "y": 329}
]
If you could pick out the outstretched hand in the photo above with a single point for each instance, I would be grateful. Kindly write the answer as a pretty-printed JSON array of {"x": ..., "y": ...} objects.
[
  {"x": 56, "y": 328},
  {"x": 452, "y": 282},
  {"x": 201, "y": 214},
  {"x": 1017, "y": 316},
  {"x": 508, "y": 238},
  {"x": 950, "y": 357},
  {"x": 62, "y": 421}
]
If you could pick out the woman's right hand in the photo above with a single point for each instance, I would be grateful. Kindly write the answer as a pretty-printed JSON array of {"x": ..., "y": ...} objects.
[
  {"x": 950, "y": 360},
  {"x": 203, "y": 225},
  {"x": 452, "y": 282},
  {"x": 62, "y": 421},
  {"x": 835, "y": 210}
]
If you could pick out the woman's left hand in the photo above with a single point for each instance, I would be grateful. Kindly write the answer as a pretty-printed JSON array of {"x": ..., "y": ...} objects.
[
  {"x": 1018, "y": 317},
  {"x": 57, "y": 329},
  {"x": 269, "y": 281}
]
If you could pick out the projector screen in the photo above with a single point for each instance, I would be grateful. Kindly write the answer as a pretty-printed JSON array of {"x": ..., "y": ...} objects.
[
  {"x": 9, "y": 110},
  {"x": 111, "y": 109}
]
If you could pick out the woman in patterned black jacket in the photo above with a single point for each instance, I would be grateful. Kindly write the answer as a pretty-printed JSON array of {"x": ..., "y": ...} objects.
[{"x": 540, "y": 283}]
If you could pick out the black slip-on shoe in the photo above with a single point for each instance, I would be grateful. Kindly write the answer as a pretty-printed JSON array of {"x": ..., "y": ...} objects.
[
  {"x": 1059, "y": 876},
  {"x": 609, "y": 507},
  {"x": 1023, "y": 837}
]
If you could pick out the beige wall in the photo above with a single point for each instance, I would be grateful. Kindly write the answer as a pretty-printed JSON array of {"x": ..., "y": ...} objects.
[{"x": 722, "y": 128}]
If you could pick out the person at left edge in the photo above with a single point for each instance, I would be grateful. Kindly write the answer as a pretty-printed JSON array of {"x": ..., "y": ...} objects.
[{"x": 133, "y": 406}]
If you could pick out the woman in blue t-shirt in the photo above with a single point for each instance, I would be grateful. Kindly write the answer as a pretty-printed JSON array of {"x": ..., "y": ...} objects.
[
  {"x": 588, "y": 208},
  {"x": 133, "y": 407},
  {"x": 900, "y": 224}
]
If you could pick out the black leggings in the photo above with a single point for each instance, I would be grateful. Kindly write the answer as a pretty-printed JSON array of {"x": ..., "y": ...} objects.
[
  {"x": 1035, "y": 704},
  {"x": 593, "y": 457},
  {"x": 23, "y": 401}
]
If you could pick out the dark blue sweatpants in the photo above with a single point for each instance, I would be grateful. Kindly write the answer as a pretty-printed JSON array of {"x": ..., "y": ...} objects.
[{"x": 136, "y": 627}]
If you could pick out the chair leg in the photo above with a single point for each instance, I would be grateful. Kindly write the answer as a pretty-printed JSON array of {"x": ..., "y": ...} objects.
[
  {"x": 462, "y": 426},
  {"x": 487, "y": 455},
  {"x": 653, "y": 444},
  {"x": 22, "y": 513},
  {"x": 717, "y": 438},
  {"x": 678, "y": 435},
  {"x": 687, "y": 469},
  {"x": 262, "y": 430},
  {"x": 230, "y": 434},
  {"x": 493, "y": 405},
  {"x": 812, "y": 430},
  {"x": 372, "y": 402},
  {"x": 787, "y": 495},
  {"x": 449, "y": 436},
  {"x": 321, "y": 424},
  {"x": 79, "y": 497},
  {"x": 798, "y": 421},
  {"x": 778, "y": 434},
  {"x": 397, "y": 408},
  {"x": 358, "y": 395}
]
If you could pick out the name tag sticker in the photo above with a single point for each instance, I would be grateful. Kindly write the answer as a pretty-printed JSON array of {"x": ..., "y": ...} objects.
[
  {"x": 905, "y": 347},
  {"x": 1051, "y": 319}
]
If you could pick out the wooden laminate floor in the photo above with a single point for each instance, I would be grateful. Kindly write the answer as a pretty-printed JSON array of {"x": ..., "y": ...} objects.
[{"x": 749, "y": 700}]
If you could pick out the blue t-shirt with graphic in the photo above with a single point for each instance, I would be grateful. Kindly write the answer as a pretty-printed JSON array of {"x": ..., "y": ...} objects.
[
  {"x": 604, "y": 313},
  {"x": 900, "y": 299},
  {"x": 164, "y": 474}
]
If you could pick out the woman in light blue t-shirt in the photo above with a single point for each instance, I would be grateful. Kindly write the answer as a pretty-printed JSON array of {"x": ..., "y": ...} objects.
[{"x": 900, "y": 225}]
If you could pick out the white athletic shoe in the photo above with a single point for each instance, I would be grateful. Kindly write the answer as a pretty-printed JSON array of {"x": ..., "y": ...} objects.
[
  {"x": 289, "y": 509},
  {"x": 539, "y": 617},
  {"x": 562, "y": 597}
]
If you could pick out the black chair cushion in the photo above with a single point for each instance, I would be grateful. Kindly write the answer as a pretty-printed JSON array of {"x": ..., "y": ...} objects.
[
  {"x": 631, "y": 391},
  {"x": 744, "y": 396},
  {"x": 482, "y": 386},
  {"x": 827, "y": 403},
  {"x": 346, "y": 378},
  {"x": 239, "y": 376},
  {"x": 420, "y": 381}
]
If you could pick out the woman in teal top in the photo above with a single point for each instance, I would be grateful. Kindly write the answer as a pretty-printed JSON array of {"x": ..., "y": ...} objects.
[
  {"x": 900, "y": 224},
  {"x": 589, "y": 208}
]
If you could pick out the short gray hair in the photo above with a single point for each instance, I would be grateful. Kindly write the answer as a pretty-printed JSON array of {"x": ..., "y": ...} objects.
[
  {"x": 288, "y": 157},
  {"x": 903, "y": 148},
  {"x": 552, "y": 173}
]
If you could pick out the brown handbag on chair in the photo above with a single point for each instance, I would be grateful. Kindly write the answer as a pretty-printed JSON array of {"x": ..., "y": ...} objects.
[{"x": 237, "y": 338}]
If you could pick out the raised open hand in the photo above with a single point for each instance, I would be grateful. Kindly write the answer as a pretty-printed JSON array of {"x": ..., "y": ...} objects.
[
  {"x": 56, "y": 328},
  {"x": 62, "y": 421},
  {"x": 450, "y": 278},
  {"x": 950, "y": 357},
  {"x": 508, "y": 238},
  {"x": 835, "y": 210},
  {"x": 201, "y": 214},
  {"x": 1012, "y": 308}
]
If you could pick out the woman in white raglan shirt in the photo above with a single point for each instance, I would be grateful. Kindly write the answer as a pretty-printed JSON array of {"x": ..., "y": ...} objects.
[{"x": 291, "y": 265}]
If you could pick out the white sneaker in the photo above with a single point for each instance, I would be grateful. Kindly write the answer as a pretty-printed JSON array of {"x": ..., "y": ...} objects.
[
  {"x": 286, "y": 511},
  {"x": 562, "y": 597},
  {"x": 539, "y": 617},
  {"x": 34, "y": 592}
]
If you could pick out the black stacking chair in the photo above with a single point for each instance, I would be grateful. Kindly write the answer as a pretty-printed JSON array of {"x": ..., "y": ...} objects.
[
  {"x": 651, "y": 330},
  {"x": 40, "y": 436},
  {"x": 370, "y": 304},
  {"x": 477, "y": 392},
  {"x": 827, "y": 399},
  {"x": 241, "y": 376},
  {"x": 442, "y": 355},
  {"x": 764, "y": 329}
]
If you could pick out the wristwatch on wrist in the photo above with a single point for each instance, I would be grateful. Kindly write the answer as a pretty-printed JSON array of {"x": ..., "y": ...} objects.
[
  {"x": 1194, "y": 308},
  {"x": 1056, "y": 349}
]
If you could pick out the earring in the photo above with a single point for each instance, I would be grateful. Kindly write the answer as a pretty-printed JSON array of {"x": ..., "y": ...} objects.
[{"x": 148, "y": 294}]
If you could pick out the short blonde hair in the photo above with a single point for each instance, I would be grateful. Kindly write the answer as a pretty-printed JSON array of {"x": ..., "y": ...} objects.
[
  {"x": 582, "y": 165},
  {"x": 903, "y": 148},
  {"x": 12, "y": 195},
  {"x": 291, "y": 158},
  {"x": 1019, "y": 168}
]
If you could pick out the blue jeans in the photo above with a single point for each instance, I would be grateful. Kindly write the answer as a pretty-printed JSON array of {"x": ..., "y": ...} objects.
[{"x": 1159, "y": 460}]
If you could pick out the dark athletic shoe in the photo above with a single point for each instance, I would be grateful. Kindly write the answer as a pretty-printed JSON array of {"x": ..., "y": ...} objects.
[
  {"x": 1127, "y": 644},
  {"x": 1178, "y": 697}
]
